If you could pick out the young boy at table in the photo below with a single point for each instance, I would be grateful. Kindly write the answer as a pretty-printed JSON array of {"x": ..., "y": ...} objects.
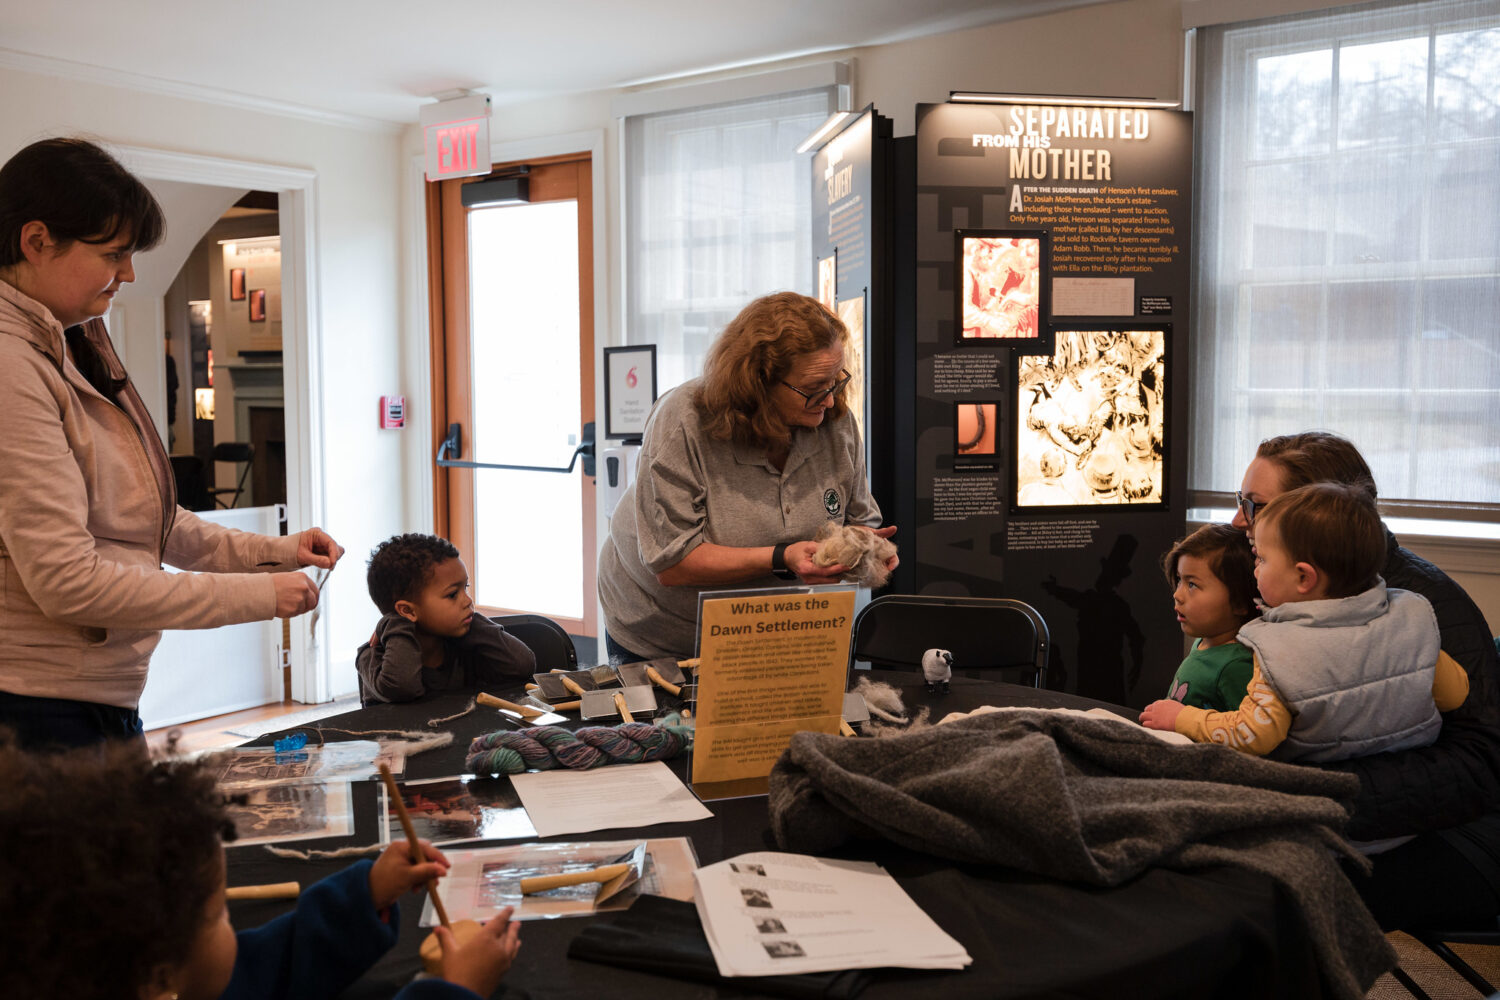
[
  {"x": 1212, "y": 573},
  {"x": 114, "y": 870},
  {"x": 429, "y": 638},
  {"x": 1344, "y": 667}
]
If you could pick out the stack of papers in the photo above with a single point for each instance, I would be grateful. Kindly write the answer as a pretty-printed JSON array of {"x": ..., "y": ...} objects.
[{"x": 778, "y": 914}]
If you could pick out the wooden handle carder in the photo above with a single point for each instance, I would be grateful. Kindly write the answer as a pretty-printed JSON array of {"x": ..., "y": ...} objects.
[
  {"x": 524, "y": 711},
  {"x": 542, "y": 883},
  {"x": 662, "y": 682}
]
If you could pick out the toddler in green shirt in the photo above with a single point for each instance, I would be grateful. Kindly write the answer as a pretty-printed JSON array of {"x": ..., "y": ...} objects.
[{"x": 1212, "y": 573}]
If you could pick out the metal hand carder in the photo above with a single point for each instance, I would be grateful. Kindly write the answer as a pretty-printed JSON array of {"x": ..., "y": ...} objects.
[
  {"x": 527, "y": 714},
  {"x": 855, "y": 710},
  {"x": 563, "y": 685},
  {"x": 664, "y": 673},
  {"x": 624, "y": 702},
  {"x": 613, "y": 878}
]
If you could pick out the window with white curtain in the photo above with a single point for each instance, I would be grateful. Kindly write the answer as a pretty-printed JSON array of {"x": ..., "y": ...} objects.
[
  {"x": 1348, "y": 273},
  {"x": 718, "y": 210}
]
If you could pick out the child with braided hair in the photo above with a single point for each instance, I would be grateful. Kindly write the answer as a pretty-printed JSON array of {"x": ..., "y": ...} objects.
[{"x": 133, "y": 904}]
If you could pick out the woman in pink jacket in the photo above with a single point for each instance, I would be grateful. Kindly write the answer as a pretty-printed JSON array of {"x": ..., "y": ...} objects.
[{"x": 88, "y": 509}]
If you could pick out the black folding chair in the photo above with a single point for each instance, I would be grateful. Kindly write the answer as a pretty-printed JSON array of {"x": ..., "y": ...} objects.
[
  {"x": 548, "y": 640},
  {"x": 192, "y": 491},
  {"x": 982, "y": 633},
  {"x": 1437, "y": 940},
  {"x": 232, "y": 451}
]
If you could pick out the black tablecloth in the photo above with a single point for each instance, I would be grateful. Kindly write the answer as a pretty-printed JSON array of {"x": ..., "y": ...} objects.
[{"x": 1222, "y": 933}]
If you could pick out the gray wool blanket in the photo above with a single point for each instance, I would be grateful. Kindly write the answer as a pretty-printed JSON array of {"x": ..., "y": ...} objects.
[{"x": 1092, "y": 801}]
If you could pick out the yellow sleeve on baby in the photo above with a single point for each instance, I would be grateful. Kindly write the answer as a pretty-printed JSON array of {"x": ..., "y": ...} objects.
[
  {"x": 1257, "y": 726},
  {"x": 1450, "y": 684}
]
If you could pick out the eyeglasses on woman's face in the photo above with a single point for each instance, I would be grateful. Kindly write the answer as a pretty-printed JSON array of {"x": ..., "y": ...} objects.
[
  {"x": 817, "y": 399},
  {"x": 1247, "y": 506}
]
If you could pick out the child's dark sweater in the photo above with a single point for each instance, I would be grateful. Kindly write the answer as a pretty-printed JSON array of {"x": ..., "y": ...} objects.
[
  {"x": 390, "y": 669},
  {"x": 319, "y": 949}
]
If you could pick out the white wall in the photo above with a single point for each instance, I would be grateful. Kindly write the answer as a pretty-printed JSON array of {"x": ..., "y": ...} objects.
[{"x": 358, "y": 275}]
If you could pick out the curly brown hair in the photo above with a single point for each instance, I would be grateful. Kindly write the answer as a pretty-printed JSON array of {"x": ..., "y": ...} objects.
[
  {"x": 110, "y": 861},
  {"x": 756, "y": 351},
  {"x": 400, "y": 567},
  {"x": 1230, "y": 559},
  {"x": 1317, "y": 457}
]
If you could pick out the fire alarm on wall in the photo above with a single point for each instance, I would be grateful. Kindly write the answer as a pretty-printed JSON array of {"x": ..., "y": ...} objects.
[{"x": 392, "y": 412}]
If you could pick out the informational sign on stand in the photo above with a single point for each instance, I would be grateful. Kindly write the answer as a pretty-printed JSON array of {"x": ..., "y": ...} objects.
[
  {"x": 1053, "y": 249},
  {"x": 771, "y": 663}
]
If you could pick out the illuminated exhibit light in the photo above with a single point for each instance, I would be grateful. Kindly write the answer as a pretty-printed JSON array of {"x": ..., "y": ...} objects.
[
  {"x": 825, "y": 130},
  {"x": 970, "y": 97}
]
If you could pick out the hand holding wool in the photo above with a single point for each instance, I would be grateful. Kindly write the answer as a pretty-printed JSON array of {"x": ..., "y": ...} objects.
[{"x": 869, "y": 556}]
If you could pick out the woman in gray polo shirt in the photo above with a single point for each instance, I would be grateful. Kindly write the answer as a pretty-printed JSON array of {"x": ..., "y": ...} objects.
[{"x": 738, "y": 470}]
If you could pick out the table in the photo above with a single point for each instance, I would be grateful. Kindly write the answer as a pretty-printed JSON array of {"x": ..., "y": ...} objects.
[{"x": 1222, "y": 933}]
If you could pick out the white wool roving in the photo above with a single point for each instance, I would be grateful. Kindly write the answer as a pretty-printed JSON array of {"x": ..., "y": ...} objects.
[{"x": 863, "y": 551}]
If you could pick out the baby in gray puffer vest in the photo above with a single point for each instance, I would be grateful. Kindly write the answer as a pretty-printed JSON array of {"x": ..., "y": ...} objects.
[{"x": 1344, "y": 666}]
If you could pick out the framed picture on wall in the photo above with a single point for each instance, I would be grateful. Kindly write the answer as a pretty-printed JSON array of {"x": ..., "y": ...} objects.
[
  {"x": 977, "y": 431},
  {"x": 828, "y": 281},
  {"x": 1001, "y": 288},
  {"x": 236, "y": 284},
  {"x": 1090, "y": 422},
  {"x": 629, "y": 389},
  {"x": 257, "y": 305}
]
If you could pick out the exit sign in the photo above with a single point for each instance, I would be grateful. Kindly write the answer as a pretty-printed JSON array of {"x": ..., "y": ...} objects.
[{"x": 457, "y": 135}]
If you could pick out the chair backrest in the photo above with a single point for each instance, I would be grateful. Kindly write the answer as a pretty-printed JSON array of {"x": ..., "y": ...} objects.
[
  {"x": 192, "y": 487},
  {"x": 237, "y": 452},
  {"x": 234, "y": 451},
  {"x": 982, "y": 633},
  {"x": 548, "y": 640}
]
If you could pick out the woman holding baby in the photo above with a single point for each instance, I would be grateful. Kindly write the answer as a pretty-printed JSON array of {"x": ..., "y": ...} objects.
[{"x": 739, "y": 469}]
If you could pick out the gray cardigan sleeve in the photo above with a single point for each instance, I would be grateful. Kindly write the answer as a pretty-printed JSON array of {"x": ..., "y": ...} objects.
[{"x": 390, "y": 668}]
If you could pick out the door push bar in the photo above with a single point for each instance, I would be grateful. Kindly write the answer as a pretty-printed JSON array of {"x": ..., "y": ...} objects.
[{"x": 453, "y": 445}]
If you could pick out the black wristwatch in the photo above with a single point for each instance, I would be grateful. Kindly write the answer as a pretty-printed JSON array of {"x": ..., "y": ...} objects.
[{"x": 778, "y": 563}]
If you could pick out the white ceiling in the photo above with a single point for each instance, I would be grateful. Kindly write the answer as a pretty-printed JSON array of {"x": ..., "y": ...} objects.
[{"x": 381, "y": 59}]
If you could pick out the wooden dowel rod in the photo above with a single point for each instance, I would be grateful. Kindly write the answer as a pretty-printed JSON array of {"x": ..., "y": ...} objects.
[
  {"x": 275, "y": 890},
  {"x": 542, "y": 883},
  {"x": 572, "y": 685},
  {"x": 411, "y": 839}
]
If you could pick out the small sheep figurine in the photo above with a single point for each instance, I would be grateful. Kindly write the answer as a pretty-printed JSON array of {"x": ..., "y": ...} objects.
[
  {"x": 863, "y": 551},
  {"x": 937, "y": 667}
]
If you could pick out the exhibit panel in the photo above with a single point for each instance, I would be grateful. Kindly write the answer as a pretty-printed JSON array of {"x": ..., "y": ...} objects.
[
  {"x": 1052, "y": 249},
  {"x": 851, "y": 219}
]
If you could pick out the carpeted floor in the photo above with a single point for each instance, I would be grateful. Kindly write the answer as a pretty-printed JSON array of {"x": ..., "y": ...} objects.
[{"x": 1433, "y": 974}]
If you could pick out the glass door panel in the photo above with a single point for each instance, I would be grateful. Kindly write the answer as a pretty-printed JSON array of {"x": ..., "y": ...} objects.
[{"x": 526, "y": 378}]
